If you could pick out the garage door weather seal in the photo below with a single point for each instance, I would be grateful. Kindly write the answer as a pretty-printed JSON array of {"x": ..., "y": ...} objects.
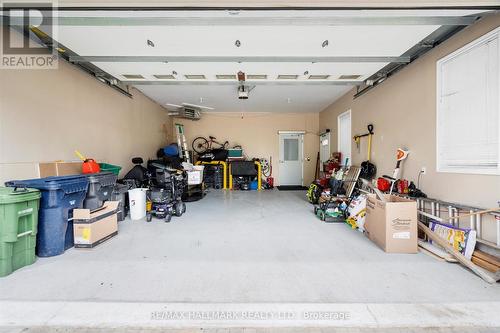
[
  {"x": 255, "y": 315},
  {"x": 291, "y": 188}
]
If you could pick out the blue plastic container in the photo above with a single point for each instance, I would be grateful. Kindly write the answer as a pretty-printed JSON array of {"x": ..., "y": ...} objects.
[
  {"x": 254, "y": 185},
  {"x": 60, "y": 195},
  {"x": 171, "y": 150}
]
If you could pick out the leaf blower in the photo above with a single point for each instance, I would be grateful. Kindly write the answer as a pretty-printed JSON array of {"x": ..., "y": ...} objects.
[{"x": 385, "y": 182}]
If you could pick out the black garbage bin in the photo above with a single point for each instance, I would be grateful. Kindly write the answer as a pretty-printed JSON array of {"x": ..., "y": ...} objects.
[{"x": 100, "y": 189}]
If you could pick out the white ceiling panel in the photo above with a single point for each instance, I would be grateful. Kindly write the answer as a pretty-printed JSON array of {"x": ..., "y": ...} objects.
[
  {"x": 262, "y": 98},
  {"x": 255, "y": 41}
]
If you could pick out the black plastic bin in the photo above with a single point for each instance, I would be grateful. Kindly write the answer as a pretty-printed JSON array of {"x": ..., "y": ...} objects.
[
  {"x": 100, "y": 189},
  {"x": 243, "y": 168},
  {"x": 120, "y": 194}
]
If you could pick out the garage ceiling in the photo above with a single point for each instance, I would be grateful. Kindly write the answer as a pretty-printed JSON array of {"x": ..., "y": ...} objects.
[{"x": 326, "y": 52}]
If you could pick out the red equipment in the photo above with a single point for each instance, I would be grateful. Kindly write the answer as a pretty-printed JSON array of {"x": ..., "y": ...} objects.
[
  {"x": 270, "y": 179},
  {"x": 383, "y": 184},
  {"x": 403, "y": 186},
  {"x": 324, "y": 182},
  {"x": 90, "y": 166},
  {"x": 332, "y": 164}
]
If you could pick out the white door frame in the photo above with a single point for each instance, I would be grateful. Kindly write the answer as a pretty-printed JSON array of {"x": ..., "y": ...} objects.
[
  {"x": 343, "y": 114},
  {"x": 301, "y": 157}
]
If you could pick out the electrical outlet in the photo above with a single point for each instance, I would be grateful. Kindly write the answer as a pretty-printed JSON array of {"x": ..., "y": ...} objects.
[{"x": 423, "y": 171}]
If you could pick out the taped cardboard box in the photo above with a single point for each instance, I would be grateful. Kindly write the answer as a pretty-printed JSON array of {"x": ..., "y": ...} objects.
[
  {"x": 392, "y": 225},
  {"x": 92, "y": 228},
  {"x": 47, "y": 169}
]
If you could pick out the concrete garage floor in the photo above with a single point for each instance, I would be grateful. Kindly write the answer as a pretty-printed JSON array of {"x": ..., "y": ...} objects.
[{"x": 245, "y": 251}]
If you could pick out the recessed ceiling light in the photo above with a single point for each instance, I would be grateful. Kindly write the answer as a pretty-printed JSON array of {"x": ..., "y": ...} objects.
[
  {"x": 164, "y": 77},
  {"x": 150, "y": 43},
  {"x": 325, "y": 43},
  {"x": 256, "y": 77},
  {"x": 237, "y": 43},
  {"x": 306, "y": 72},
  {"x": 133, "y": 76},
  {"x": 349, "y": 77},
  {"x": 318, "y": 77},
  {"x": 174, "y": 73},
  {"x": 225, "y": 76},
  {"x": 195, "y": 76},
  {"x": 287, "y": 77}
]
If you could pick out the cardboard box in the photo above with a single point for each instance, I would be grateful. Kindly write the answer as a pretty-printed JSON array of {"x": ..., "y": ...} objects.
[
  {"x": 92, "y": 228},
  {"x": 48, "y": 169},
  {"x": 392, "y": 225}
]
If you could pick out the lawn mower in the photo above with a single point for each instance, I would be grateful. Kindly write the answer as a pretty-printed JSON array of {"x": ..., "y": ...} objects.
[
  {"x": 331, "y": 211},
  {"x": 332, "y": 207}
]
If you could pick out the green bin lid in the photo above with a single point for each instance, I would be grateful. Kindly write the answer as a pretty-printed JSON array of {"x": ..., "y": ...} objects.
[{"x": 18, "y": 194}]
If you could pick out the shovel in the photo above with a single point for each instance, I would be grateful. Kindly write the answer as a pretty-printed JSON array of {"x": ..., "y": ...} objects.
[{"x": 368, "y": 169}]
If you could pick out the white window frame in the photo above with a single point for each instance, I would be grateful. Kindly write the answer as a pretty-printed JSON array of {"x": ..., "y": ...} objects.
[{"x": 494, "y": 34}]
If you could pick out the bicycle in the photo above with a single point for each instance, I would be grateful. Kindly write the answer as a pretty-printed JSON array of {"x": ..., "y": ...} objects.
[{"x": 202, "y": 144}]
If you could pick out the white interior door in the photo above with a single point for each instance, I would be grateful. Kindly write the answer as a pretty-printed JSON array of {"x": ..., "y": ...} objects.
[
  {"x": 344, "y": 128},
  {"x": 291, "y": 160},
  {"x": 324, "y": 148}
]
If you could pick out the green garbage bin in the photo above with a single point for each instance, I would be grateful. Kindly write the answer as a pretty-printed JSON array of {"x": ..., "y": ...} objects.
[{"x": 18, "y": 227}]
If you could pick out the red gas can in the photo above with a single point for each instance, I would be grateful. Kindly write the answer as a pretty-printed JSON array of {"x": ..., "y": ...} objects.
[{"x": 90, "y": 166}]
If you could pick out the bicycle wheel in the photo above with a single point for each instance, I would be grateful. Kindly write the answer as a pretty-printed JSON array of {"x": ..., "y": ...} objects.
[{"x": 200, "y": 145}]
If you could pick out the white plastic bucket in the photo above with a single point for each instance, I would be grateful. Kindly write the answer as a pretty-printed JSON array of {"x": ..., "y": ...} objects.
[{"x": 137, "y": 203}]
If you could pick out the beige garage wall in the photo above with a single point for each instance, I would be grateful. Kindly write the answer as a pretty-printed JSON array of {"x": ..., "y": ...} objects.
[
  {"x": 258, "y": 134},
  {"x": 46, "y": 114},
  {"x": 403, "y": 111}
]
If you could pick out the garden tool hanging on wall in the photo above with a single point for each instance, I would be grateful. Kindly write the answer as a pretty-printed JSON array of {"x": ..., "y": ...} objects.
[{"x": 368, "y": 169}]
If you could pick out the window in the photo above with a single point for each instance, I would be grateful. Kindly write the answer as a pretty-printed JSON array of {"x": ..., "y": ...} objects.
[
  {"x": 291, "y": 149},
  {"x": 344, "y": 136},
  {"x": 468, "y": 108}
]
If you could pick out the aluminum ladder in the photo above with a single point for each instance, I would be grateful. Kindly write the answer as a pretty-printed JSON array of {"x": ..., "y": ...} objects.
[{"x": 182, "y": 143}]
